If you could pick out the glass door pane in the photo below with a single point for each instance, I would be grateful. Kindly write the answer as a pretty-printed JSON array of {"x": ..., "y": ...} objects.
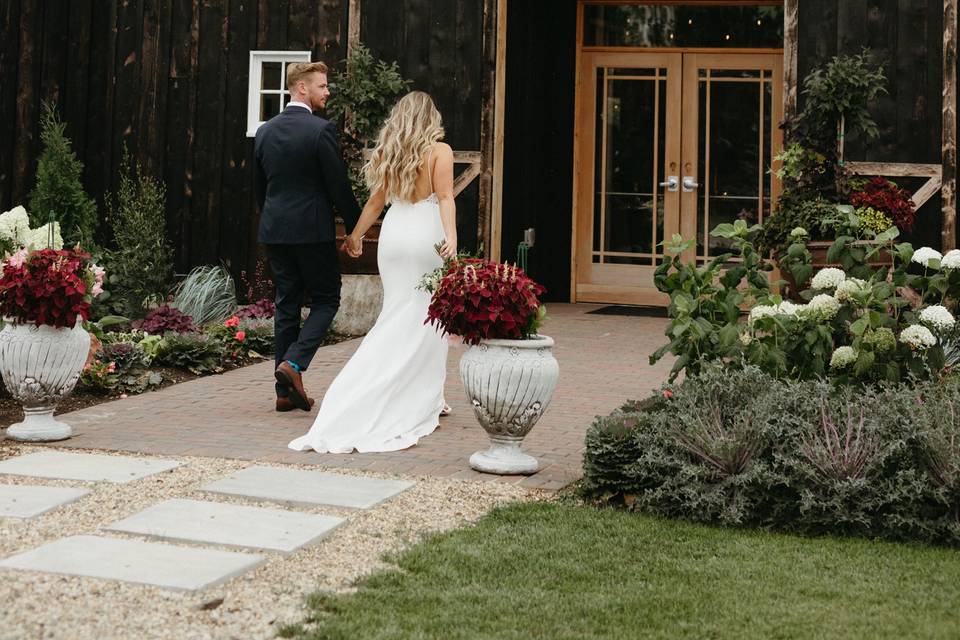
[
  {"x": 628, "y": 166},
  {"x": 731, "y": 111},
  {"x": 627, "y": 146}
]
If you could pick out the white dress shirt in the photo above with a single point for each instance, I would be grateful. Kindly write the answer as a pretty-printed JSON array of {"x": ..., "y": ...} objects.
[{"x": 294, "y": 103}]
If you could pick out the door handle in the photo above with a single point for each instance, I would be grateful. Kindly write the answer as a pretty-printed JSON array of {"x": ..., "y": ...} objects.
[
  {"x": 672, "y": 183},
  {"x": 688, "y": 184}
]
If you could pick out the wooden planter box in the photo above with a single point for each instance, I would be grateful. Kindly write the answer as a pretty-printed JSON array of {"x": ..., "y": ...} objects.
[
  {"x": 818, "y": 251},
  {"x": 366, "y": 263}
]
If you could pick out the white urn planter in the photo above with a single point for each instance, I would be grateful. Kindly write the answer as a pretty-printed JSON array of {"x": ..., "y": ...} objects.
[
  {"x": 509, "y": 383},
  {"x": 40, "y": 365}
]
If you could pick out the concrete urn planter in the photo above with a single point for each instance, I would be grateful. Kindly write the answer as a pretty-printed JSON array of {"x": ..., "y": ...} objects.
[
  {"x": 509, "y": 383},
  {"x": 40, "y": 365}
]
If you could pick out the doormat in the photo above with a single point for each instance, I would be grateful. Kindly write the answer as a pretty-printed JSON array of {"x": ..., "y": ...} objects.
[{"x": 624, "y": 310}]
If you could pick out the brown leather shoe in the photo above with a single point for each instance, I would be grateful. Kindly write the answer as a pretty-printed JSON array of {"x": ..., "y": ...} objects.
[
  {"x": 285, "y": 404},
  {"x": 290, "y": 378}
]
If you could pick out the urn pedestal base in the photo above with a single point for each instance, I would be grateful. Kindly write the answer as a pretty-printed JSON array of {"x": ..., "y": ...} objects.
[
  {"x": 509, "y": 383},
  {"x": 504, "y": 457},
  {"x": 40, "y": 365},
  {"x": 39, "y": 425}
]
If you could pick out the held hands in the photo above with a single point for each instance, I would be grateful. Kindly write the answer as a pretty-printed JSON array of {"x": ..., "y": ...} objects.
[{"x": 353, "y": 245}]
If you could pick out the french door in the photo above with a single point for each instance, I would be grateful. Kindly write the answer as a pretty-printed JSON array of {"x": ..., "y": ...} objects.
[{"x": 668, "y": 143}]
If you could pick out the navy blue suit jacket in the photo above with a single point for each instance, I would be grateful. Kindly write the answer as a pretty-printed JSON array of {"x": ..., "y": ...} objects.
[{"x": 300, "y": 180}]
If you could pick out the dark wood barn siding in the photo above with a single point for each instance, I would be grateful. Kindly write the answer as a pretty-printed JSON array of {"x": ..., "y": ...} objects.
[
  {"x": 538, "y": 138},
  {"x": 438, "y": 44},
  {"x": 906, "y": 36},
  {"x": 166, "y": 78}
]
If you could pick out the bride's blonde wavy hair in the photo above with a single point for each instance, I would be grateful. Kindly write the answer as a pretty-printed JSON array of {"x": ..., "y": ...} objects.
[{"x": 412, "y": 128}]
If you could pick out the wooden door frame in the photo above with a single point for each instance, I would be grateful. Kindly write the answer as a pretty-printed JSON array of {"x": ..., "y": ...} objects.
[
  {"x": 581, "y": 50},
  {"x": 691, "y": 135},
  {"x": 584, "y": 152}
]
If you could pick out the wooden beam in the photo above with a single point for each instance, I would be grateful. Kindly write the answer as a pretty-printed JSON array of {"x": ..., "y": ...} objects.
[
  {"x": 948, "y": 191},
  {"x": 904, "y": 169},
  {"x": 575, "y": 174},
  {"x": 894, "y": 169},
  {"x": 464, "y": 157},
  {"x": 499, "y": 102},
  {"x": 464, "y": 179},
  {"x": 488, "y": 80},
  {"x": 790, "y": 36},
  {"x": 927, "y": 191},
  {"x": 353, "y": 26}
]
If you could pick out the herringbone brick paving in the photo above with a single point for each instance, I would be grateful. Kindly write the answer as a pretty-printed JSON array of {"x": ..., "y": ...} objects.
[{"x": 603, "y": 361}]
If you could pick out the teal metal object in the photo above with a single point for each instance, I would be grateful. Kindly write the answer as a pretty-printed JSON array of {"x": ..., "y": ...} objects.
[{"x": 522, "y": 250}]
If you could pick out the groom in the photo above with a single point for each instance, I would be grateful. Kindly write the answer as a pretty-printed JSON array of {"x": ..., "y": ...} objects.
[{"x": 300, "y": 179}]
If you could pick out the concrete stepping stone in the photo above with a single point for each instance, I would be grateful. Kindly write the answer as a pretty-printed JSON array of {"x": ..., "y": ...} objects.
[
  {"x": 229, "y": 524},
  {"x": 301, "y": 487},
  {"x": 26, "y": 501},
  {"x": 160, "y": 565},
  {"x": 85, "y": 466}
]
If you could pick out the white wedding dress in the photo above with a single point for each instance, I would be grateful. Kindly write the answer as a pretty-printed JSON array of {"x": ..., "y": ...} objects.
[{"x": 390, "y": 393}]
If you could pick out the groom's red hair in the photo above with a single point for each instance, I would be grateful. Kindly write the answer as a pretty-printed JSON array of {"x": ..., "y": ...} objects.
[{"x": 300, "y": 70}]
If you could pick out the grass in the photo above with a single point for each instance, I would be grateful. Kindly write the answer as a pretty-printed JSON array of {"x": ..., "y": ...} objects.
[{"x": 562, "y": 571}]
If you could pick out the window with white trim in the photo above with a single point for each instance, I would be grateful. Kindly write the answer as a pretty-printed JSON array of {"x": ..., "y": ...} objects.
[{"x": 267, "y": 94}]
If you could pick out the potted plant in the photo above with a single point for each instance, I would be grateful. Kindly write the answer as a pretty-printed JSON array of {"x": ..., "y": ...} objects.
[
  {"x": 819, "y": 192},
  {"x": 45, "y": 297},
  {"x": 509, "y": 372}
]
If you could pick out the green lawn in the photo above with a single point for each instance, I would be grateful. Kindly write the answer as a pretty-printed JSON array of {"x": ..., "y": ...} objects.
[{"x": 555, "y": 571}]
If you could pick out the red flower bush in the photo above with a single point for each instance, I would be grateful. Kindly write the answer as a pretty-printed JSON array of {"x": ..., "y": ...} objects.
[
  {"x": 479, "y": 299},
  {"x": 260, "y": 309},
  {"x": 885, "y": 196},
  {"x": 48, "y": 287},
  {"x": 163, "y": 319}
]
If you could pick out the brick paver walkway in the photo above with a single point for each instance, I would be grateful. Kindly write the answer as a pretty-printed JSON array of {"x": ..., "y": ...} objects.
[{"x": 603, "y": 361}]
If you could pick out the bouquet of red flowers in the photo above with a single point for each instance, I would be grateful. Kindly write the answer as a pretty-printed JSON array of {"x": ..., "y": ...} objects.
[
  {"x": 885, "y": 196},
  {"x": 478, "y": 299},
  {"x": 49, "y": 286}
]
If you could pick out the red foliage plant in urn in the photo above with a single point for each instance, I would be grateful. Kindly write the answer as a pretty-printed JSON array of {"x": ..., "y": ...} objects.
[{"x": 509, "y": 372}]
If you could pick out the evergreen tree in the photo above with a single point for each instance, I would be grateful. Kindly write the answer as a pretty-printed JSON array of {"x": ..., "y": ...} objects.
[
  {"x": 141, "y": 266},
  {"x": 59, "y": 193}
]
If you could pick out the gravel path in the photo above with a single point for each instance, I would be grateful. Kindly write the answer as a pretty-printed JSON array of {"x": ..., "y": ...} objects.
[{"x": 254, "y": 605}]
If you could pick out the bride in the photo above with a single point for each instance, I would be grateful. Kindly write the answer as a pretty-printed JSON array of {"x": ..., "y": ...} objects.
[{"x": 390, "y": 393}]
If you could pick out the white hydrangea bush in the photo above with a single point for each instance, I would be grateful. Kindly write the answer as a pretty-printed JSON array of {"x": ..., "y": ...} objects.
[
  {"x": 925, "y": 255},
  {"x": 917, "y": 336},
  {"x": 829, "y": 278},
  {"x": 951, "y": 259},
  {"x": 938, "y": 318},
  {"x": 843, "y": 357},
  {"x": 849, "y": 288},
  {"x": 15, "y": 227}
]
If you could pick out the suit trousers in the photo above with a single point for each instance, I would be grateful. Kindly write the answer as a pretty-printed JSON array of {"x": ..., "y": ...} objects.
[{"x": 298, "y": 270}]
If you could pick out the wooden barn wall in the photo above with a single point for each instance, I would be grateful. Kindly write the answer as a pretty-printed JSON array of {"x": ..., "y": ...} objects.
[
  {"x": 906, "y": 36},
  {"x": 168, "y": 78},
  {"x": 538, "y": 138},
  {"x": 438, "y": 44}
]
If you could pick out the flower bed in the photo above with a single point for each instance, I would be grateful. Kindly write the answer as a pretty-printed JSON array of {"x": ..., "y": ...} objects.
[{"x": 742, "y": 448}]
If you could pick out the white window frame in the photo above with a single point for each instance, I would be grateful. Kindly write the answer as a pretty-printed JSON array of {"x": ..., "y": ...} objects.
[{"x": 254, "y": 90}]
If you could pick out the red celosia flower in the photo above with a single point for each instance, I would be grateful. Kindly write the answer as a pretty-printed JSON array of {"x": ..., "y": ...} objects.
[
  {"x": 232, "y": 322},
  {"x": 667, "y": 393},
  {"x": 241, "y": 335},
  {"x": 885, "y": 196},
  {"x": 49, "y": 287},
  {"x": 479, "y": 299}
]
